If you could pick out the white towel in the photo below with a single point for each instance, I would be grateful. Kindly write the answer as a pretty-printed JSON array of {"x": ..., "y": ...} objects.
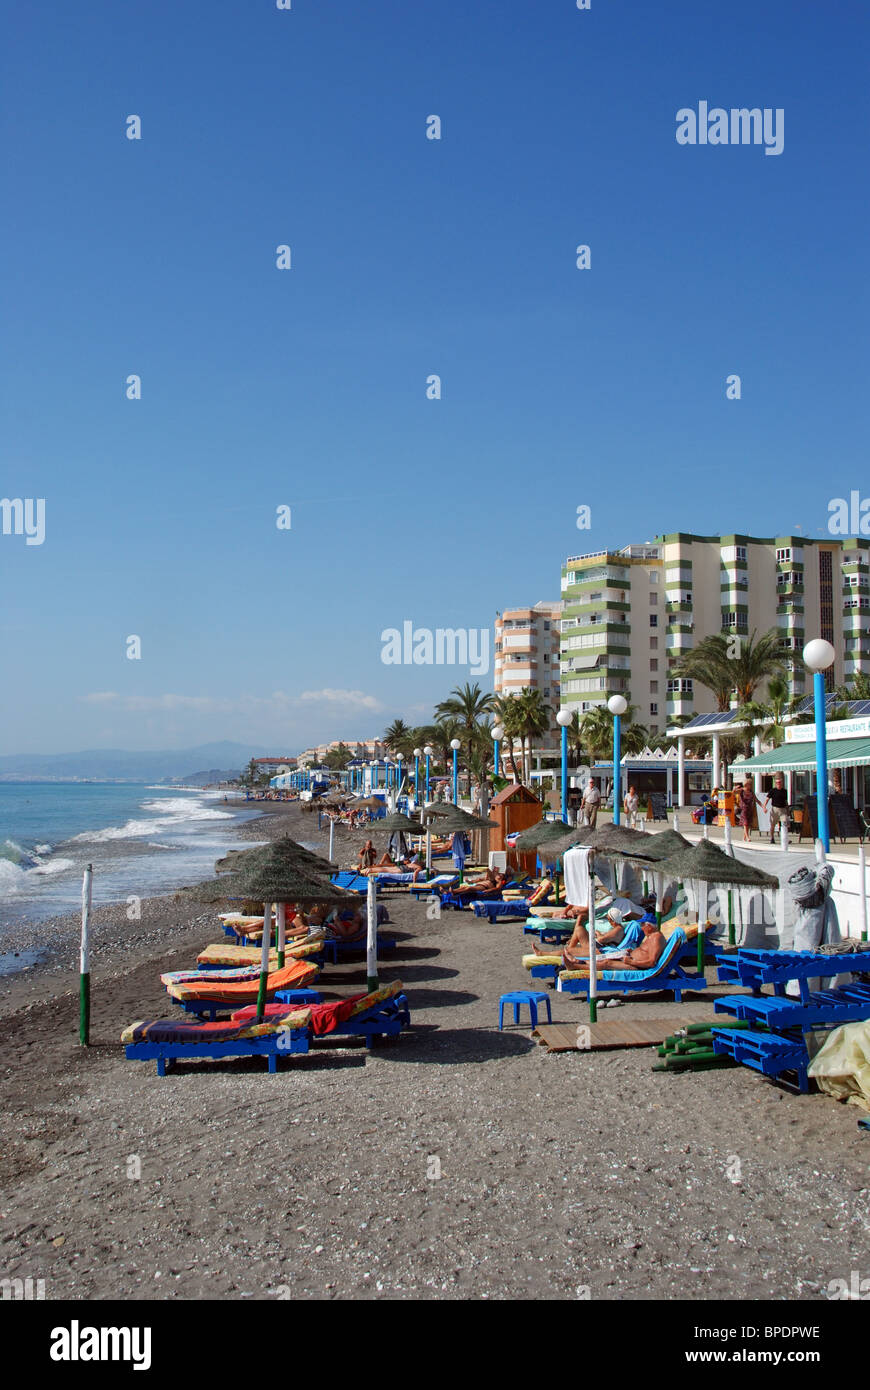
[{"x": 575, "y": 866}]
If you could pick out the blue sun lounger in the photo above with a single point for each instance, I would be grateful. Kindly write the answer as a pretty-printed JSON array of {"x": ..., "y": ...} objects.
[
  {"x": 384, "y": 1013},
  {"x": 336, "y": 950},
  {"x": 666, "y": 976}
]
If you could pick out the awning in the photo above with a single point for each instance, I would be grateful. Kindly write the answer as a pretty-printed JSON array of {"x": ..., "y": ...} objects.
[{"x": 801, "y": 757}]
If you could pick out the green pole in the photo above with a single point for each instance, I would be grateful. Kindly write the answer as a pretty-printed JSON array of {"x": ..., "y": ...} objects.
[
  {"x": 264, "y": 960},
  {"x": 85, "y": 960}
]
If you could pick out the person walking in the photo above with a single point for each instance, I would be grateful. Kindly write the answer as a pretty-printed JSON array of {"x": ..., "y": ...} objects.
[
  {"x": 747, "y": 802},
  {"x": 630, "y": 804},
  {"x": 777, "y": 805},
  {"x": 591, "y": 802}
]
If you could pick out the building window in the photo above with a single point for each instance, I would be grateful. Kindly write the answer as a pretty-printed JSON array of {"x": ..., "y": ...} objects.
[
  {"x": 654, "y": 687},
  {"x": 654, "y": 663},
  {"x": 653, "y": 642},
  {"x": 653, "y": 621},
  {"x": 546, "y": 656},
  {"x": 653, "y": 709},
  {"x": 653, "y": 598},
  {"x": 784, "y": 554},
  {"x": 679, "y": 687},
  {"x": 546, "y": 626},
  {"x": 653, "y": 576},
  {"x": 740, "y": 552}
]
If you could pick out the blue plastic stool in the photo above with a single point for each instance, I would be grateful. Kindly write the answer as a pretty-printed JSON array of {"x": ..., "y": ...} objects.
[
  {"x": 298, "y": 996},
  {"x": 517, "y": 998}
]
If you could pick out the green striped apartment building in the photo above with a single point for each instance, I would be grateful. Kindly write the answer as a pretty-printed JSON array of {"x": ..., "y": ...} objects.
[{"x": 629, "y": 615}]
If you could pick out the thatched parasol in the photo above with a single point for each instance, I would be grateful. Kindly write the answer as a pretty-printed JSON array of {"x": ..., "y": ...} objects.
[
  {"x": 396, "y": 822},
  {"x": 658, "y": 847},
  {"x": 236, "y": 860},
  {"x": 544, "y": 833},
  {"x": 706, "y": 863},
  {"x": 710, "y": 864},
  {"x": 573, "y": 835}
]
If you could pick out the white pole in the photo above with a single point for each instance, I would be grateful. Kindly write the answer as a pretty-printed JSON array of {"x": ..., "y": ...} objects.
[
  {"x": 676, "y": 822},
  {"x": 862, "y": 889},
  {"x": 372, "y": 934},
  {"x": 729, "y": 848},
  {"x": 331, "y": 838},
  {"x": 85, "y": 959},
  {"x": 428, "y": 850},
  {"x": 593, "y": 959},
  {"x": 820, "y": 853},
  {"x": 783, "y": 835}
]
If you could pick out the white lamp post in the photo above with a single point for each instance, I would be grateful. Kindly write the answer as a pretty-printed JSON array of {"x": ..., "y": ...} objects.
[
  {"x": 497, "y": 734},
  {"x": 455, "y": 744}
]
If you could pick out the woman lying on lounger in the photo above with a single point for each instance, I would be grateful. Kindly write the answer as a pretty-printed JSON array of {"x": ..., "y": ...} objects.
[{"x": 385, "y": 867}]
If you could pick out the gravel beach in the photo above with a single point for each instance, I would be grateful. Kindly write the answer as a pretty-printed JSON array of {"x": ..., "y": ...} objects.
[{"x": 456, "y": 1161}]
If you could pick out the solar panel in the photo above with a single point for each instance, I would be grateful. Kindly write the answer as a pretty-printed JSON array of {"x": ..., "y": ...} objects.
[{"x": 854, "y": 707}]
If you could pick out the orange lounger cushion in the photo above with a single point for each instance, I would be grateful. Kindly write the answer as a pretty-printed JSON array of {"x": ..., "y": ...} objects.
[{"x": 296, "y": 974}]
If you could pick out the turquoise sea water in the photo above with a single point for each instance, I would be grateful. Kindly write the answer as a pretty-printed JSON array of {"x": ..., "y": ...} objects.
[{"x": 140, "y": 839}]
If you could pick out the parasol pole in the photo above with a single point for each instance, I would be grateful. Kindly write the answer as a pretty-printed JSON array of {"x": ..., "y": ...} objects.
[
  {"x": 702, "y": 919},
  {"x": 862, "y": 888},
  {"x": 85, "y": 959},
  {"x": 593, "y": 962},
  {"x": 821, "y": 858},
  {"x": 428, "y": 849},
  {"x": 331, "y": 839},
  {"x": 281, "y": 911},
  {"x": 676, "y": 822},
  {"x": 783, "y": 835},
  {"x": 371, "y": 934},
  {"x": 264, "y": 960}
]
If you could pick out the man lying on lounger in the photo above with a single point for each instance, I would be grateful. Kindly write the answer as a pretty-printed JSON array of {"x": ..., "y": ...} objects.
[
  {"x": 492, "y": 882},
  {"x": 386, "y": 866},
  {"x": 642, "y": 957}
]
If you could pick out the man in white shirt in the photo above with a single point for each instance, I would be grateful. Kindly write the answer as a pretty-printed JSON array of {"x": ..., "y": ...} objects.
[{"x": 591, "y": 802}]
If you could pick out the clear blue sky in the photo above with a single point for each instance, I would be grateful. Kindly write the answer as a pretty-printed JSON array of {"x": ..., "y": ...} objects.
[{"x": 410, "y": 257}]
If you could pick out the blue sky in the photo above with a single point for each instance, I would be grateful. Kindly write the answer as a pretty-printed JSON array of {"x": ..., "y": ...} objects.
[{"x": 410, "y": 257}]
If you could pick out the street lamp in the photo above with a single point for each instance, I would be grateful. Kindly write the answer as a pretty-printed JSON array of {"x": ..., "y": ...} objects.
[
  {"x": 455, "y": 744},
  {"x": 497, "y": 734},
  {"x": 428, "y": 750},
  {"x": 400, "y": 758},
  {"x": 818, "y": 656},
  {"x": 418, "y": 752},
  {"x": 617, "y": 704},
  {"x": 563, "y": 719}
]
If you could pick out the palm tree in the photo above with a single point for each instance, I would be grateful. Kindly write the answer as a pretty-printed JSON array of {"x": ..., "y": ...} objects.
[
  {"x": 857, "y": 688},
  {"x": 712, "y": 664},
  {"x": 469, "y": 705},
  {"x": 534, "y": 719},
  {"x": 399, "y": 738},
  {"x": 596, "y": 732},
  {"x": 508, "y": 715}
]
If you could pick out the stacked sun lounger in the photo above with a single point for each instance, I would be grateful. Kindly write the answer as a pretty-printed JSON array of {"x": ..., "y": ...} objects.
[{"x": 782, "y": 1051}]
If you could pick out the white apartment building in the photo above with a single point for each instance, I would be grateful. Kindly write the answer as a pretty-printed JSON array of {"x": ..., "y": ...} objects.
[
  {"x": 630, "y": 615},
  {"x": 526, "y": 654}
]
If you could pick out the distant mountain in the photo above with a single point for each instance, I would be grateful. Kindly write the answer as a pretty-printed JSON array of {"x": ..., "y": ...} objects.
[{"x": 115, "y": 764}]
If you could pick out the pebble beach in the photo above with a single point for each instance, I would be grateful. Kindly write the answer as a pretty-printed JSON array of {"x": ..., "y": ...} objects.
[{"x": 455, "y": 1161}]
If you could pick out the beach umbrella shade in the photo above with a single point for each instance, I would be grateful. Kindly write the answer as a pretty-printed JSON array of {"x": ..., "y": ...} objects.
[
  {"x": 280, "y": 877},
  {"x": 544, "y": 833},
  {"x": 397, "y": 821},
  {"x": 706, "y": 863},
  {"x": 237, "y": 859}
]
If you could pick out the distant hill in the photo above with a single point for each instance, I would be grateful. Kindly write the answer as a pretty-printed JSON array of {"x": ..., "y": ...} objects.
[
  {"x": 209, "y": 778},
  {"x": 116, "y": 764}
]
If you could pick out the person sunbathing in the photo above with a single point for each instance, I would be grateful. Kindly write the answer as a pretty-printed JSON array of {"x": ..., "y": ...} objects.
[
  {"x": 493, "y": 881},
  {"x": 366, "y": 856},
  {"x": 642, "y": 957},
  {"x": 617, "y": 929},
  {"x": 346, "y": 924}
]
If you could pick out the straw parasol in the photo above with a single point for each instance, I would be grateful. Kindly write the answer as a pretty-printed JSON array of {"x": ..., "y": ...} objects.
[
  {"x": 658, "y": 847},
  {"x": 706, "y": 863},
  {"x": 281, "y": 875},
  {"x": 236, "y": 860},
  {"x": 397, "y": 821},
  {"x": 540, "y": 835}
]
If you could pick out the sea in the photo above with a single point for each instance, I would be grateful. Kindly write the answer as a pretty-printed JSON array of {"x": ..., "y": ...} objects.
[{"x": 141, "y": 840}]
